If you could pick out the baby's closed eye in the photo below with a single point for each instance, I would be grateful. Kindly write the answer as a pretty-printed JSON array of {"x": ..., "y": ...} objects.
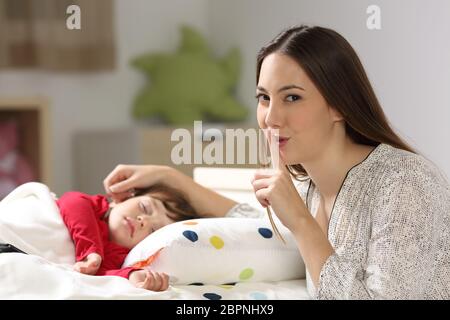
[{"x": 145, "y": 207}]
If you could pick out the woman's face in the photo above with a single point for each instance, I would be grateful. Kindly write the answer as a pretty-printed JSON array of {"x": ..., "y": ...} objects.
[
  {"x": 289, "y": 102},
  {"x": 134, "y": 219}
]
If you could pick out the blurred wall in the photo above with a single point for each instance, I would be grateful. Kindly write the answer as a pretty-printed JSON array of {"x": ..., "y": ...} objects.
[{"x": 408, "y": 60}]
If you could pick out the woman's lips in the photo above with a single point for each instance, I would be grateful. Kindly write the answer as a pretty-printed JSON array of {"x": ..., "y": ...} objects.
[
  {"x": 282, "y": 141},
  {"x": 130, "y": 225}
]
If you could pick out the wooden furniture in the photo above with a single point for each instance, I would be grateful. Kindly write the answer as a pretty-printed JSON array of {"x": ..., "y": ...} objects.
[{"x": 32, "y": 117}]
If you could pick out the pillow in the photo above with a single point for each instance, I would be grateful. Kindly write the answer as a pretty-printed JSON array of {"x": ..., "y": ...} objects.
[{"x": 219, "y": 251}]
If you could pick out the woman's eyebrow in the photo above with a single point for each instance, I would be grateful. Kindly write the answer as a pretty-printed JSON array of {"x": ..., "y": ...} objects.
[
  {"x": 291, "y": 86},
  {"x": 287, "y": 87},
  {"x": 261, "y": 89}
]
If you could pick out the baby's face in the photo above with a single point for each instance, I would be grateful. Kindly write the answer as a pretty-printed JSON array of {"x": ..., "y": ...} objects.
[{"x": 134, "y": 219}]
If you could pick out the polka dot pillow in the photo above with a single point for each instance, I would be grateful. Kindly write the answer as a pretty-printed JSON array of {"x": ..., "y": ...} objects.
[{"x": 219, "y": 251}]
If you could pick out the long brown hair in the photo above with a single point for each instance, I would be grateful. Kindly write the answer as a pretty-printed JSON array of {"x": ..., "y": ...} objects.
[
  {"x": 334, "y": 67},
  {"x": 174, "y": 201}
]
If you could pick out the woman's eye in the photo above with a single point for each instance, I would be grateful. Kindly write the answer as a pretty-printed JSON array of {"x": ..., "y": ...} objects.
[
  {"x": 262, "y": 97},
  {"x": 293, "y": 97}
]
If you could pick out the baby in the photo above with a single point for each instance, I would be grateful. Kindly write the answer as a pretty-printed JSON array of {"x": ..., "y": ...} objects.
[{"x": 104, "y": 232}]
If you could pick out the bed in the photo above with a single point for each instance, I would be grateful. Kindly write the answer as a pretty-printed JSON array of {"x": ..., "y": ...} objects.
[{"x": 44, "y": 274}]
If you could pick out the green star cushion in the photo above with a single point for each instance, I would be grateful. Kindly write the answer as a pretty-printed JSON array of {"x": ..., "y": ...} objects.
[{"x": 189, "y": 84}]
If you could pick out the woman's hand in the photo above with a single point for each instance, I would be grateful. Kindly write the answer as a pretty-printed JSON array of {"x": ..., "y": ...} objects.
[
  {"x": 122, "y": 181},
  {"x": 89, "y": 265},
  {"x": 275, "y": 188},
  {"x": 149, "y": 280}
]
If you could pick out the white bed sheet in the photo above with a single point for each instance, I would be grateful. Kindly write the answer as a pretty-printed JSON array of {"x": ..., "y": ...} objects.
[{"x": 33, "y": 277}]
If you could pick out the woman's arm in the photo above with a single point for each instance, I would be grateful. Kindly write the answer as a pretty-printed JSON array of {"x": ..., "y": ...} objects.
[
  {"x": 124, "y": 178},
  {"x": 205, "y": 201}
]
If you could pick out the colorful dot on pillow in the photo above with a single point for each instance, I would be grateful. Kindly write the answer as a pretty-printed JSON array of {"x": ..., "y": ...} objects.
[
  {"x": 190, "y": 223},
  {"x": 226, "y": 286},
  {"x": 212, "y": 296},
  {"x": 258, "y": 296},
  {"x": 266, "y": 233},
  {"x": 217, "y": 242},
  {"x": 246, "y": 274},
  {"x": 191, "y": 235}
]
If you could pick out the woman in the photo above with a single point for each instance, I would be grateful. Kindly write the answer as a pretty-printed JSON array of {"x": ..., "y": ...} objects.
[{"x": 370, "y": 216}]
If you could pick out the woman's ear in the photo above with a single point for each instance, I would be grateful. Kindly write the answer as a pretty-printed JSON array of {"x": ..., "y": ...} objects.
[{"x": 336, "y": 116}]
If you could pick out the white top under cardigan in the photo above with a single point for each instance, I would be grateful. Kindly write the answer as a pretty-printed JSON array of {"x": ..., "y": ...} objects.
[{"x": 389, "y": 227}]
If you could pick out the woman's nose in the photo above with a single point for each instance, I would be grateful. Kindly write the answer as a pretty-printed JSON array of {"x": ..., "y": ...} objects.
[{"x": 274, "y": 116}]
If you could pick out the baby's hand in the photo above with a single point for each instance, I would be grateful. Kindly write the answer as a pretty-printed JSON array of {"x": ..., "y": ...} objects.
[
  {"x": 149, "y": 280},
  {"x": 89, "y": 265}
]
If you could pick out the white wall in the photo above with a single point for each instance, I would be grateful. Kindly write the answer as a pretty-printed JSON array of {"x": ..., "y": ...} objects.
[
  {"x": 408, "y": 60},
  {"x": 100, "y": 100}
]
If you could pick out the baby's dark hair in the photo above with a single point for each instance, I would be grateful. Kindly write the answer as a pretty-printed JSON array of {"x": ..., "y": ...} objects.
[{"x": 173, "y": 200}]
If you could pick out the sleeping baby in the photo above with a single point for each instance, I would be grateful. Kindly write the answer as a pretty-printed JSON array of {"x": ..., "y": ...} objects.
[{"x": 104, "y": 232}]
